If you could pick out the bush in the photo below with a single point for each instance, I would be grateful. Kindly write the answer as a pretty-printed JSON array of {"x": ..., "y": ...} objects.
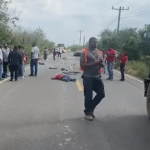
[{"x": 136, "y": 68}]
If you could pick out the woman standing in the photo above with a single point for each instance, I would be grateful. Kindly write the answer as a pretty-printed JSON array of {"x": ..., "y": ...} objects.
[{"x": 123, "y": 63}]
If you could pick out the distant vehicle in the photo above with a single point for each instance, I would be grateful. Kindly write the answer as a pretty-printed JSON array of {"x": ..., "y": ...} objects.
[
  {"x": 62, "y": 47},
  {"x": 77, "y": 53}
]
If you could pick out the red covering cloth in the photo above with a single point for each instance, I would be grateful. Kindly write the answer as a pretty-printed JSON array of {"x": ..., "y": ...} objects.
[{"x": 58, "y": 76}]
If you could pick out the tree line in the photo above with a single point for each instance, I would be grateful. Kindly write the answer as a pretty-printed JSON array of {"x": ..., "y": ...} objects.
[{"x": 136, "y": 42}]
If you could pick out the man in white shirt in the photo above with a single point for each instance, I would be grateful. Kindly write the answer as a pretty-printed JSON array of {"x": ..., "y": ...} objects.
[
  {"x": 6, "y": 52},
  {"x": 1, "y": 63},
  {"x": 59, "y": 52},
  {"x": 35, "y": 54}
]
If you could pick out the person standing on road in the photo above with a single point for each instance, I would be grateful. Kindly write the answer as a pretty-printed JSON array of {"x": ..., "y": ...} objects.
[
  {"x": 21, "y": 68},
  {"x": 92, "y": 78},
  {"x": 45, "y": 53},
  {"x": 1, "y": 63},
  {"x": 6, "y": 52},
  {"x": 111, "y": 57},
  {"x": 35, "y": 54},
  {"x": 123, "y": 63},
  {"x": 14, "y": 61},
  {"x": 59, "y": 52},
  {"x": 54, "y": 53}
]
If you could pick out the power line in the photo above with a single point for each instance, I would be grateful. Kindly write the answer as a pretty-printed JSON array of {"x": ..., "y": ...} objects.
[
  {"x": 111, "y": 23},
  {"x": 137, "y": 10},
  {"x": 136, "y": 15},
  {"x": 120, "y": 9}
]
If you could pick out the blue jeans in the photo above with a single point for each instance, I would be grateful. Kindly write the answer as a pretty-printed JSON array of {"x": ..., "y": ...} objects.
[
  {"x": 110, "y": 65},
  {"x": 21, "y": 70},
  {"x": 34, "y": 66},
  {"x": 67, "y": 78},
  {"x": 1, "y": 70}
]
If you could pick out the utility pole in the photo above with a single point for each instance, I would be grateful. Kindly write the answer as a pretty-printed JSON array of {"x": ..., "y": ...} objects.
[
  {"x": 119, "y": 15},
  {"x": 83, "y": 41},
  {"x": 80, "y": 37},
  {"x": 73, "y": 42}
]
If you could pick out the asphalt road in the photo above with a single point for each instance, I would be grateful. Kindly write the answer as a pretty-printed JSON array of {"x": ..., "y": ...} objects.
[{"x": 37, "y": 113}]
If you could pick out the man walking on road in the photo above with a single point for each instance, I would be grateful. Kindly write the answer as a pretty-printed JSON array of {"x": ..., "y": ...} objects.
[
  {"x": 54, "y": 53},
  {"x": 14, "y": 61},
  {"x": 111, "y": 57},
  {"x": 35, "y": 54},
  {"x": 92, "y": 78},
  {"x": 59, "y": 52},
  {"x": 1, "y": 63}
]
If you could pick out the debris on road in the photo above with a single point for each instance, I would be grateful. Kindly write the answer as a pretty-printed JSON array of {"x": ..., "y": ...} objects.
[
  {"x": 63, "y": 69},
  {"x": 52, "y": 68},
  {"x": 41, "y": 63},
  {"x": 67, "y": 140}
]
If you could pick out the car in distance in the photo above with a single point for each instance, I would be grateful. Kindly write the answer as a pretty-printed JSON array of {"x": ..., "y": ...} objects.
[{"x": 77, "y": 53}]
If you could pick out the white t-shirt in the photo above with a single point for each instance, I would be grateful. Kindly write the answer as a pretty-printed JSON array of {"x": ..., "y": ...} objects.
[
  {"x": 60, "y": 50},
  {"x": 36, "y": 52},
  {"x": 1, "y": 55}
]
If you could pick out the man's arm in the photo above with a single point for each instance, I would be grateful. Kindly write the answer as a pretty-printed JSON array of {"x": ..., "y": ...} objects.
[
  {"x": 39, "y": 54},
  {"x": 9, "y": 57},
  {"x": 1, "y": 55},
  {"x": 86, "y": 65},
  {"x": 32, "y": 52}
]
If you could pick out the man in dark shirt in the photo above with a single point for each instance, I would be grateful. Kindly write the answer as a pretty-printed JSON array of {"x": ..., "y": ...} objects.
[
  {"x": 14, "y": 61},
  {"x": 92, "y": 79}
]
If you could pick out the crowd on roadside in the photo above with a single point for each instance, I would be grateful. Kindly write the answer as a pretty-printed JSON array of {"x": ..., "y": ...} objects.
[
  {"x": 109, "y": 61},
  {"x": 5, "y": 57}
]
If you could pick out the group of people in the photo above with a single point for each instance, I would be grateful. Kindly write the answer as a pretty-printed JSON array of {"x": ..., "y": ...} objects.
[
  {"x": 57, "y": 51},
  {"x": 110, "y": 59},
  {"x": 14, "y": 62},
  {"x": 91, "y": 62}
]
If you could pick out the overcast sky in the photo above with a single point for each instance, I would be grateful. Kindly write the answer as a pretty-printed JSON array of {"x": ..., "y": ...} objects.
[{"x": 62, "y": 19}]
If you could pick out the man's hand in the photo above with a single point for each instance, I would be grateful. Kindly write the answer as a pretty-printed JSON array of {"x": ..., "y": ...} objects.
[{"x": 101, "y": 63}]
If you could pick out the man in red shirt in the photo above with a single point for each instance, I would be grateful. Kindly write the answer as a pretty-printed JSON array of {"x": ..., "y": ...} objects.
[
  {"x": 123, "y": 63},
  {"x": 111, "y": 57}
]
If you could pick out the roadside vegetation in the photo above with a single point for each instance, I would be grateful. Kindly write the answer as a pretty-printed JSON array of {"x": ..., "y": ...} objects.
[{"x": 12, "y": 34}]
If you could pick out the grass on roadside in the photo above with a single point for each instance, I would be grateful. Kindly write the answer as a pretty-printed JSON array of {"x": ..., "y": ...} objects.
[{"x": 136, "y": 68}]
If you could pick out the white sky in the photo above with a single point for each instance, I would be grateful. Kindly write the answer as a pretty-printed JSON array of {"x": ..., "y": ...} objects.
[{"x": 62, "y": 19}]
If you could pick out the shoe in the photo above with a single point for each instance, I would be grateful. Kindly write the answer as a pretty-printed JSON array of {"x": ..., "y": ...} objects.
[
  {"x": 121, "y": 80},
  {"x": 10, "y": 80},
  {"x": 93, "y": 115},
  {"x": 108, "y": 79},
  {"x": 22, "y": 77},
  {"x": 89, "y": 117},
  {"x": 31, "y": 75}
]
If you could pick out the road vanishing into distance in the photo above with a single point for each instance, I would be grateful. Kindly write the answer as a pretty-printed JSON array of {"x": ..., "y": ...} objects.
[{"x": 37, "y": 113}]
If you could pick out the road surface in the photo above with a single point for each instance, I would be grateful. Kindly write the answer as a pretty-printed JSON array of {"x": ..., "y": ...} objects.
[{"x": 37, "y": 113}]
